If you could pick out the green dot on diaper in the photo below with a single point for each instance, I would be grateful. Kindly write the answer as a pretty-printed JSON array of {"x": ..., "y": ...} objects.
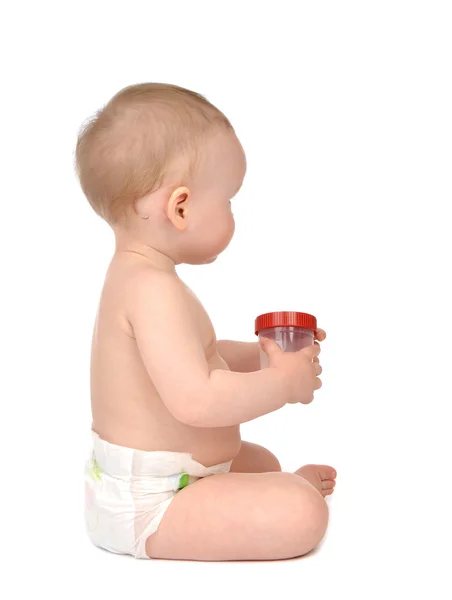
[
  {"x": 184, "y": 480},
  {"x": 95, "y": 470}
]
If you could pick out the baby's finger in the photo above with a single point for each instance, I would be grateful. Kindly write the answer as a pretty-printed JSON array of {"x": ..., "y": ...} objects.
[
  {"x": 317, "y": 369},
  {"x": 270, "y": 347},
  {"x": 320, "y": 334},
  {"x": 311, "y": 351},
  {"x": 308, "y": 400}
]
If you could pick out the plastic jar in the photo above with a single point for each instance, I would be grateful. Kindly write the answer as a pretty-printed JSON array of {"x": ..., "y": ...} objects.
[{"x": 292, "y": 331}]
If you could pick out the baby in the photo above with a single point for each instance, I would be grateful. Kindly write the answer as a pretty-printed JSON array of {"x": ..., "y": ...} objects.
[{"x": 169, "y": 476}]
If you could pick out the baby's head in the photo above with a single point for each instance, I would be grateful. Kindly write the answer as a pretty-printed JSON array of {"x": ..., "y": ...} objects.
[{"x": 160, "y": 164}]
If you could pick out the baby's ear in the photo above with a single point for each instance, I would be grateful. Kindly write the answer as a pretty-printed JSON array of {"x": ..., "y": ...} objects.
[{"x": 177, "y": 207}]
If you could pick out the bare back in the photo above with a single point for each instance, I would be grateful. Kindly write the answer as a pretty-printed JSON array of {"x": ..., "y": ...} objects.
[{"x": 126, "y": 407}]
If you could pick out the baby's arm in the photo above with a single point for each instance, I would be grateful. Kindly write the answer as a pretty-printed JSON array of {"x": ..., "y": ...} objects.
[
  {"x": 241, "y": 357},
  {"x": 169, "y": 343}
]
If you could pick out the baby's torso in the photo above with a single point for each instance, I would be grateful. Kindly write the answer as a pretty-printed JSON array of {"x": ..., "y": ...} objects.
[{"x": 126, "y": 408}]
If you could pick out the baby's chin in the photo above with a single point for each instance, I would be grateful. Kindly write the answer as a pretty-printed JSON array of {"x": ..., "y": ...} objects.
[
  {"x": 208, "y": 261},
  {"x": 202, "y": 261}
]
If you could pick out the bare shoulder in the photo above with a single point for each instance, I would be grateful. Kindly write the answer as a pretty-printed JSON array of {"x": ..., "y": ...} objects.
[
  {"x": 154, "y": 300},
  {"x": 150, "y": 288},
  {"x": 131, "y": 285}
]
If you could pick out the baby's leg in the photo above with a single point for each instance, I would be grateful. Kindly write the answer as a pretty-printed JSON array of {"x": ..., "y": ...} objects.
[
  {"x": 241, "y": 516},
  {"x": 253, "y": 458},
  {"x": 256, "y": 459}
]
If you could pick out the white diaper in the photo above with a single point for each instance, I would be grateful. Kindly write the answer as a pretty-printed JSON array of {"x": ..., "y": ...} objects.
[{"x": 128, "y": 492}]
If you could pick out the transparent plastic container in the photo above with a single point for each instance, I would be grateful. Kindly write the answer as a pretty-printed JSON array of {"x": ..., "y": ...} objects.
[{"x": 292, "y": 331}]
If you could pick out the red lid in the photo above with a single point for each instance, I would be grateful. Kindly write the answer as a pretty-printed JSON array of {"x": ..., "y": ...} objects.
[{"x": 285, "y": 319}]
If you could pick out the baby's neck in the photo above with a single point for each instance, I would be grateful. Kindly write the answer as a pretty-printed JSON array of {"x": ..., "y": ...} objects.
[{"x": 153, "y": 256}]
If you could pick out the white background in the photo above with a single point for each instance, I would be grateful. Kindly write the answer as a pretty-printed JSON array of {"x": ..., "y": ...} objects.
[{"x": 344, "y": 110}]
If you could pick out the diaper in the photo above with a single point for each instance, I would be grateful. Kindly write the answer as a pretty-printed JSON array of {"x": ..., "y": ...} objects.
[{"x": 127, "y": 492}]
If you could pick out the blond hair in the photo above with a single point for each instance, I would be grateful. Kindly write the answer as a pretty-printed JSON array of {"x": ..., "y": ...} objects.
[{"x": 124, "y": 151}]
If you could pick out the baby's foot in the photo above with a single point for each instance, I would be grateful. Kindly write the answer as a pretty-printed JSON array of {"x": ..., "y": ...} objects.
[{"x": 321, "y": 477}]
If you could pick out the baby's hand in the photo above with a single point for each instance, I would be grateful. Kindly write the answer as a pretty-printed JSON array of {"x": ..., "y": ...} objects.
[{"x": 300, "y": 369}]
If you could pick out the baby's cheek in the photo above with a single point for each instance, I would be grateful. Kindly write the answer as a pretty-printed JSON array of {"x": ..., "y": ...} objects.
[
  {"x": 219, "y": 229},
  {"x": 228, "y": 230},
  {"x": 230, "y": 220}
]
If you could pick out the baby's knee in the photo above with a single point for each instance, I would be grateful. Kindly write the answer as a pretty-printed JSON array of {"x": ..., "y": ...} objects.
[
  {"x": 253, "y": 458},
  {"x": 270, "y": 461},
  {"x": 312, "y": 518},
  {"x": 307, "y": 518}
]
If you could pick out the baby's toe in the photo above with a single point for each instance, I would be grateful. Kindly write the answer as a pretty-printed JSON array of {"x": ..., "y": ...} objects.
[
  {"x": 327, "y": 487},
  {"x": 328, "y": 484},
  {"x": 326, "y": 472}
]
